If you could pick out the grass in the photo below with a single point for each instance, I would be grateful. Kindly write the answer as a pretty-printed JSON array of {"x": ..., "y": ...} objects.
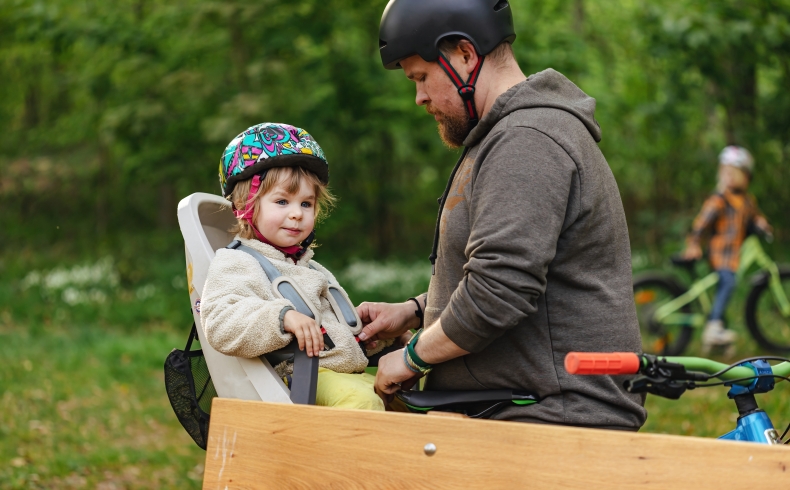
[
  {"x": 82, "y": 400},
  {"x": 87, "y": 408}
]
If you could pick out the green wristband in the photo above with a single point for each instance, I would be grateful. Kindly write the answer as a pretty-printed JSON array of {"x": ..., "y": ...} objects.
[{"x": 413, "y": 353}]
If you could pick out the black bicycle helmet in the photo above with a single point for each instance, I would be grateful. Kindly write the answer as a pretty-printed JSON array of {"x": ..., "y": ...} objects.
[{"x": 410, "y": 27}]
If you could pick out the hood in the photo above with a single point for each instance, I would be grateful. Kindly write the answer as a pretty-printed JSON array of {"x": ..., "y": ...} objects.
[{"x": 548, "y": 88}]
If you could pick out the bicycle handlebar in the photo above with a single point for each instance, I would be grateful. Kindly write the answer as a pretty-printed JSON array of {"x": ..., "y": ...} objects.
[
  {"x": 612, "y": 363},
  {"x": 602, "y": 363}
]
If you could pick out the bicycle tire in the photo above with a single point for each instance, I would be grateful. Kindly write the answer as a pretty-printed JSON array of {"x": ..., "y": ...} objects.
[
  {"x": 769, "y": 338},
  {"x": 656, "y": 338}
]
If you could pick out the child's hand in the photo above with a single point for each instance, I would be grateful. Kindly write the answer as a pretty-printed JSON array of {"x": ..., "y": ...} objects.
[
  {"x": 306, "y": 330},
  {"x": 692, "y": 252},
  {"x": 762, "y": 223}
]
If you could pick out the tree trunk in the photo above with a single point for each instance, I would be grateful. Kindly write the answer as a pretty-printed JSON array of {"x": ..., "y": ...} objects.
[
  {"x": 578, "y": 16},
  {"x": 238, "y": 51},
  {"x": 167, "y": 206},
  {"x": 741, "y": 101}
]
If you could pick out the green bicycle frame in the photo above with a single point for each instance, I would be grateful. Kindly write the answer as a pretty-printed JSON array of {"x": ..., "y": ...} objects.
[
  {"x": 752, "y": 254},
  {"x": 707, "y": 366}
]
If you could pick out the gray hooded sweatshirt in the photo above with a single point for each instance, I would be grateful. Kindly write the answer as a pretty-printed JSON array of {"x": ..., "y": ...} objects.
[{"x": 534, "y": 260}]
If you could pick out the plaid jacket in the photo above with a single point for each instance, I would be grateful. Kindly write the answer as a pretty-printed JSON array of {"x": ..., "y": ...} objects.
[{"x": 727, "y": 217}]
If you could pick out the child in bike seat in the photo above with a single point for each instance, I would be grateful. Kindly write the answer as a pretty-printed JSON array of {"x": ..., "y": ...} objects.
[
  {"x": 728, "y": 216},
  {"x": 276, "y": 177}
]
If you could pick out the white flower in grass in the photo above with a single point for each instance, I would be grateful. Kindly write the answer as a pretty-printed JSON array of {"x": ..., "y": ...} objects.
[
  {"x": 78, "y": 284},
  {"x": 392, "y": 278},
  {"x": 145, "y": 292}
]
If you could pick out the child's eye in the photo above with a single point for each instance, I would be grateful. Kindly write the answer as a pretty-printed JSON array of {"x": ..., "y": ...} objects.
[
  {"x": 307, "y": 204},
  {"x": 282, "y": 202}
]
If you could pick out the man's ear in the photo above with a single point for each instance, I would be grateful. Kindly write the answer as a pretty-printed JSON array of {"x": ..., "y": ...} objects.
[{"x": 469, "y": 55}]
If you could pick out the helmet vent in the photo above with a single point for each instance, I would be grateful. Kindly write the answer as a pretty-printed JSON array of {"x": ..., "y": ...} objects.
[
  {"x": 382, "y": 44},
  {"x": 500, "y": 5}
]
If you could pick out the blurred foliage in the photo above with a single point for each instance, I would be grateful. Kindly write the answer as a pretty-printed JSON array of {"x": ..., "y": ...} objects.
[{"x": 111, "y": 112}]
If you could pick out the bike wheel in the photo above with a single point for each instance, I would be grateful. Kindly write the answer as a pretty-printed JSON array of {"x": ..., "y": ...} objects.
[
  {"x": 650, "y": 292},
  {"x": 766, "y": 323}
]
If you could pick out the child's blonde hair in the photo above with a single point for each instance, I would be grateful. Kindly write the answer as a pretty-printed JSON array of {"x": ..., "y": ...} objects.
[{"x": 291, "y": 179}]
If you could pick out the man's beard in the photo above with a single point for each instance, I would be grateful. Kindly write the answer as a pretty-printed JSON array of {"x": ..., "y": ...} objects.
[{"x": 453, "y": 129}]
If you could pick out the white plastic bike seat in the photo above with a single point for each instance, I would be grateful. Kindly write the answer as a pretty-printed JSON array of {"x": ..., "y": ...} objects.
[{"x": 204, "y": 220}]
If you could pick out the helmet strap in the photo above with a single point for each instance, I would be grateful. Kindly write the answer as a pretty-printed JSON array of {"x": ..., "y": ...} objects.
[{"x": 465, "y": 90}]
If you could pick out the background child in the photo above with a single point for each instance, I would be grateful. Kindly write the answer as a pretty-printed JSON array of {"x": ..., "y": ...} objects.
[
  {"x": 728, "y": 215},
  {"x": 276, "y": 176}
]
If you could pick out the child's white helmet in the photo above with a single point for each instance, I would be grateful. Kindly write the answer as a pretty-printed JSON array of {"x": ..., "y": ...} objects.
[{"x": 737, "y": 156}]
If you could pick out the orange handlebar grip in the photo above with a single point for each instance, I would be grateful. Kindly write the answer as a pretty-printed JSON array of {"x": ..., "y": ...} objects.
[{"x": 602, "y": 363}]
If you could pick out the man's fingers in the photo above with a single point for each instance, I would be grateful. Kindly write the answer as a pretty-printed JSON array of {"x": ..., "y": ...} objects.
[
  {"x": 366, "y": 312},
  {"x": 371, "y": 330},
  {"x": 391, "y": 388}
]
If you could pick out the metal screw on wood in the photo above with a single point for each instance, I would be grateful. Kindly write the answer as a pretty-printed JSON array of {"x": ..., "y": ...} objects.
[{"x": 430, "y": 449}]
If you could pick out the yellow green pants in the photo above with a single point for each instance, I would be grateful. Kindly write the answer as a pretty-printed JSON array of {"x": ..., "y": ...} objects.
[{"x": 347, "y": 390}]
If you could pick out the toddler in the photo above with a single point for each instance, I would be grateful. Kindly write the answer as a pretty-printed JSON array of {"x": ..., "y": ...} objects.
[
  {"x": 276, "y": 177},
  {"x": 728, "y": 214}
]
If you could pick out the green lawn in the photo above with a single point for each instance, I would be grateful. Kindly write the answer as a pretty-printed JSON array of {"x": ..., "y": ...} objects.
[
  {"x": 82, "y": 400},
  {"x": 87, "y": 407}
]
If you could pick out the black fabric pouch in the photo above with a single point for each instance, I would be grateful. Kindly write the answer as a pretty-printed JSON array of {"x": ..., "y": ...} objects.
[{"x": 190, "y": 389}]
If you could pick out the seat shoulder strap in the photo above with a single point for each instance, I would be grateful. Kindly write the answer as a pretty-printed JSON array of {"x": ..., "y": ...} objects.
[
  {"x": 271, "y": 271},
  {"x": 337, "y": 299},
  {"x": 286, "y": 288}
]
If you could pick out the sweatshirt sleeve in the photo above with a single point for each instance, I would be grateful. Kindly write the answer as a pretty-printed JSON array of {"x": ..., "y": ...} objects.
[
  {"x": 240, "y": 315},
  {"x": 517, "y": 208}
]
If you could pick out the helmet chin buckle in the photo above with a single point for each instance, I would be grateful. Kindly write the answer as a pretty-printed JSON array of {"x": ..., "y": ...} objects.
[
  {"x": 467, "y": 92},
  {"x": 465, "y": 89}
]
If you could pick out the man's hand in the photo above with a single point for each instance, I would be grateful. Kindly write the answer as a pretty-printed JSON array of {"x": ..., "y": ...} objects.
[
  {"x": 386, "y": 320},
  {"x": 306, "y": 330},
  {"x": 393, "y": 375}
]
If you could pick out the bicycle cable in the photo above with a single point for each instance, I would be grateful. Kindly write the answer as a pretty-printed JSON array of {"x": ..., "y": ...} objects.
[
  {"x": 784, "y": 434},
  {"x": 720, "y": 383},
  {"x": 784, "y": 378},
  {"x": 736, "y": 364},
  {"x": 748, "y": 359}
]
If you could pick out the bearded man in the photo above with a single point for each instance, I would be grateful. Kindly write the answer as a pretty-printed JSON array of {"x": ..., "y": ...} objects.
[{"x": 531, "y": 257}]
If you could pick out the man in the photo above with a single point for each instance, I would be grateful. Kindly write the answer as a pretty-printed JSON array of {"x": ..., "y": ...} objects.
[{"x": 531, "y": 253}]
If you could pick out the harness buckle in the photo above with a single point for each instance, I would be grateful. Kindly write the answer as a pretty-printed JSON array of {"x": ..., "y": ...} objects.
[{"x": 467, "y": 92}]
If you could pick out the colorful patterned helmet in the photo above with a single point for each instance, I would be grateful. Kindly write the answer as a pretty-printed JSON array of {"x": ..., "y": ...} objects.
[
  {"x": 269, "y": 145},
  {"x": 737, "y": 156}
]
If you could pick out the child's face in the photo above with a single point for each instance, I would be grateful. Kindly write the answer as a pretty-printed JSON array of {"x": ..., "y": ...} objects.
[
  {"x": 733, "y": 178},
  {"x": 286, "y": 219}
]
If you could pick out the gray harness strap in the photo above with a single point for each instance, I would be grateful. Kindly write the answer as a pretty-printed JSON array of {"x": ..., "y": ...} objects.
[
  {"x": 305, "y": 373},
  {"x": 289, "y": 292},
  {"x": 286, "y": 289},
  {"x": 346, "y": 308}
]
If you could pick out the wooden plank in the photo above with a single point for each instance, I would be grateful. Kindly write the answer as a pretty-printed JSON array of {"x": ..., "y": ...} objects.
[{"x": 256, "y": 445}]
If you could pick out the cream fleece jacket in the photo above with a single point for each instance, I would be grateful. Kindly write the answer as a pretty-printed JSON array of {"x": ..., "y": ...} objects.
[{"x": 241, "y": 315}]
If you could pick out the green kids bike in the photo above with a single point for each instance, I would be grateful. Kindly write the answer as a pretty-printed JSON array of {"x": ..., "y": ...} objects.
[{"x": 669, "y": 312}]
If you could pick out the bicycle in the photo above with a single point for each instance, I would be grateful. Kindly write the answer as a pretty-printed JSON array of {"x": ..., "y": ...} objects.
[
  {"x": 668, "y": 312},
  {"x": 670, "y": 377}
]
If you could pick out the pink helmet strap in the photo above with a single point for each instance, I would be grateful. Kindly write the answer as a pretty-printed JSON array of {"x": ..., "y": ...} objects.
[
  {"x": 247, "y": 214},
  {"x": 249, "y": 203},
  {"x": 249, "y": 206}
]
